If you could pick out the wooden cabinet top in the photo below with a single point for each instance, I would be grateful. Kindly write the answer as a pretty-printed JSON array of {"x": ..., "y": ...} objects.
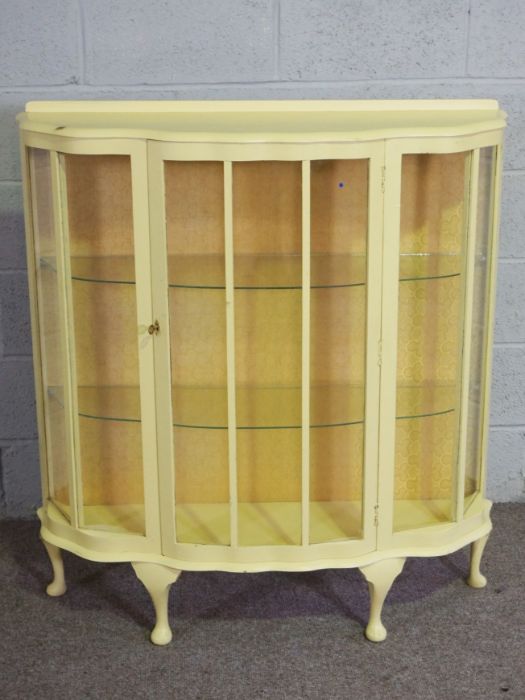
[{"x": 261, "y": 120}]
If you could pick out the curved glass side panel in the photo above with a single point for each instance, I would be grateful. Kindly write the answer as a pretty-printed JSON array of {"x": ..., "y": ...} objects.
[
  {"x": 51, "y": 330},
  {"x": 478, "y": 348},
  {"x": 101, "y": 246},
  {"x": 434, "y": 210}
]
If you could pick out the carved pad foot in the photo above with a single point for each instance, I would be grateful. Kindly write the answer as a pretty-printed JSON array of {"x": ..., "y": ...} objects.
[
  {"x": 157, "y": 580},
  {"x": 58, "y": 584},
  {"x": 476, "y": 578},
  {"x": 380, "y": 577}
]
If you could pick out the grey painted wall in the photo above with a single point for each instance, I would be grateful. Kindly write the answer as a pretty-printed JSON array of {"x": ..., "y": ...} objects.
[{"x": 249, "y": 49}]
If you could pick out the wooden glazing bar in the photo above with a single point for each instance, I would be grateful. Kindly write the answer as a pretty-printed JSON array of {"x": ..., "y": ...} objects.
[
  {"x": 159, "y": 283},
  {"x": 470, "y": 254},
  {"x": 230, "y": 351},
  {"x": 389, "y": 341},
  {"x": 305, "y": 356}
]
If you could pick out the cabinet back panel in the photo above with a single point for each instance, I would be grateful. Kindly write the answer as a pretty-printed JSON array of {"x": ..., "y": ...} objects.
[
  {"x": 426, "y": 449},
  {"x": 269, "y": 465},
  {"x": 106, "y": 338},
  {"x": 337, "y": 335},
  {"x": 336, "y": 463},
  {"x": 99, "y": 202},
  {"x": 429, "y": 331},
  {"x": 267, "y": 207},
  {"x": 194, "y": 195},
  {"x": 201, "y": 465},
  {"x": 339, "y": 206},
  {"x": 433, "y": 202},
  {"x": 111, "y": 454}
]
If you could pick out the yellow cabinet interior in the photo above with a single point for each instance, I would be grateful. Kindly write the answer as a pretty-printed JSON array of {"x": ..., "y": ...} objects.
[{"x": 262, "y": 333}]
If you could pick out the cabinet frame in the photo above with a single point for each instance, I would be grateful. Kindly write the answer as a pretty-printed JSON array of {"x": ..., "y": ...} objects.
[
  {"x": 445, "y": 334},
  {"x": 385, "y": 158},
  {"x": 108, "y": 546}
]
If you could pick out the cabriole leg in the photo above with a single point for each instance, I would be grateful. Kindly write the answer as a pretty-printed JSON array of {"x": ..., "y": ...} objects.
[
  {"x": 157, "y": 580},
  {"x": 476, "y": 578},
  {"x": 380, "y": 577},
  {"x": 58, "y": 584}
]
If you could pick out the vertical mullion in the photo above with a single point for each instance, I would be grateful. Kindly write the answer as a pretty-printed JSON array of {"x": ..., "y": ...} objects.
[
  {"x": 305, "y": 356},
  {"x": 145, "y": 342},
  {"x": 162, "y": 346},
  {"x": 389, "y": 336},
  {"x": 65, "y": 295},
  {"x": 467, "y": 332},
  {"x": 374, "y": 254},
  {"x": 230, "y": 350}
]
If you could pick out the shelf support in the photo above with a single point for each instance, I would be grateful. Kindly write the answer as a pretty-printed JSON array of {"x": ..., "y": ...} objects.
[
  {"x": 476, "y": 578},
  {"x": 157, "y": 580},
  {"x": 380, "y": 577},
  {"x": 57, "y": 586}
]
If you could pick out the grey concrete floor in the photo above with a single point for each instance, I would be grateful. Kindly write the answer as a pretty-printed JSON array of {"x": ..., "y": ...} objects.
[{"x": 271, "y": 635}]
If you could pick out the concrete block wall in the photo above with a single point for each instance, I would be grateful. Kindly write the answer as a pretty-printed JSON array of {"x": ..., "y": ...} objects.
[{"x": 259, "y": 49}]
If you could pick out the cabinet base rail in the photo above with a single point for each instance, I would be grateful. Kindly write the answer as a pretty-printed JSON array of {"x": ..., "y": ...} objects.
[{"x": 158, "y": 578}]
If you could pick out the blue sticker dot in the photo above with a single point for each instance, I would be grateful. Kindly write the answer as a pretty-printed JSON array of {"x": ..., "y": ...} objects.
[{"x": 341, "y": 185}]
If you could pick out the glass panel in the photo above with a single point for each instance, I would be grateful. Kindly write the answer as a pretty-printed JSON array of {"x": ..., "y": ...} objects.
[
  {"x": 99, "y": 201},
  {"x": 51, "y": 334},
  {"x": 487, "y": 157},
  {"x": 434, "y": 204},
  {"x": 267, "y": 279},
  {"x": 339, "y": 229},
  {"x": 194, "y": 194}
]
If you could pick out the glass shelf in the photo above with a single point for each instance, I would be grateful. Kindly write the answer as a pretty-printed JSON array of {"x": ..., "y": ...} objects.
[
  {"x": 260, "y": 408},
  {"x": 268, "y": 523},
  {"x": 260, "y": 271},
  {"x": 428, "y": 266},
  {"x": 112, "y": 269},
  {"x": 261, "y": 523},
  {"x": 278, "y": 523}
]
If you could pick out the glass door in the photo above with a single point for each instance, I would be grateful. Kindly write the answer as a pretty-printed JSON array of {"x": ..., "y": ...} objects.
[
  {"x": 104, "y": 210},
  {"x": 270, "y": 266}
]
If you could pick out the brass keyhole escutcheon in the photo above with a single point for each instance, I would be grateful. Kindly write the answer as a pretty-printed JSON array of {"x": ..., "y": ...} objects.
[{"x": 154, "y": 328}]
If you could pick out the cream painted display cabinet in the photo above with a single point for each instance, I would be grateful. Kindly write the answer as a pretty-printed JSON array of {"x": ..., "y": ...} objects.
[{"x": 262, "y": 333}]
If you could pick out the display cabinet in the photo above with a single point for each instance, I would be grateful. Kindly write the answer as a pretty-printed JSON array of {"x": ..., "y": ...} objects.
[{"x": 262, "y": 333}]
